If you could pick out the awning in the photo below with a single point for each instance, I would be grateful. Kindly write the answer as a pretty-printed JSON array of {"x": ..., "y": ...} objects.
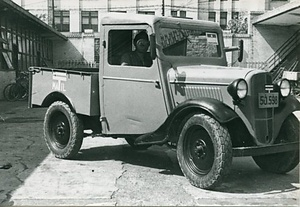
[
  {"x": 47, "y": 30},
  {"x": 286, "y": 15}
]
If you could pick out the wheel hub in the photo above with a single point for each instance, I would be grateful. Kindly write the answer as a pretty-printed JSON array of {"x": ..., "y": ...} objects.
[
  {"x": 60, "y": 129},
  {"x": 200, "y": 149}
]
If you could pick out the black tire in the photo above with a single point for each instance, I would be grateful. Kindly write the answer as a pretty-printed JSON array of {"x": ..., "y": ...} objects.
[
  {"x": 204, "y": 151},
  {"x": 23, "y": 92},
  {"x": 10, "y": 92},
  {"x": 283, "y": 162},
  {"x": 130, "y": 141},
  {"x": 63, "y": 130}
]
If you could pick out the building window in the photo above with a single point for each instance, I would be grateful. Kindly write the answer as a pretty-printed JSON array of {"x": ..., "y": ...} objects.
[
  {"x": 182, "y": 13},
  {"x": 235, "y": 15},
  {"x": 8, "y": 61},
  {"x": 118, "y": 11},
  {"x": 21, "y": 47},
  {"x": 212, "y": 16},
  {"x": 174, "y": 13},
  {"x": 97, "y": 50},
  {"x": 89, "y": 20},
  {"x": 146, "y": 12},
  {"x": 62, "y": 21},
  {"x": 223, "y": 20}
]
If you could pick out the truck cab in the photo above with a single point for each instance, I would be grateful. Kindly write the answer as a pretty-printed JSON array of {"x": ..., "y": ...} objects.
[
  {"x": 147, "y": 89},
  {"x": 180, "y": 92}
]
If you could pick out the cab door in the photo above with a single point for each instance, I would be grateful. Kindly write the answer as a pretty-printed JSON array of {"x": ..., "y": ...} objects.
[{"x": 132, "y": 100}]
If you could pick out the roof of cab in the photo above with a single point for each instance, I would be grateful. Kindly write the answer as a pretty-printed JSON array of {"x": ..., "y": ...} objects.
[{"x": 119, "y": 18}]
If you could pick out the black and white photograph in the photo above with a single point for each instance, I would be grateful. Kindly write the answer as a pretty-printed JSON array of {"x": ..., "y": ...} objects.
[{"x": 149, "y": 103}]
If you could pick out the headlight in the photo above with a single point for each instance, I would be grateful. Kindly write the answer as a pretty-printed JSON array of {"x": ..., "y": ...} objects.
[
  {"x": 238, "y": 89},
  {"x": 284, "y": 87}
]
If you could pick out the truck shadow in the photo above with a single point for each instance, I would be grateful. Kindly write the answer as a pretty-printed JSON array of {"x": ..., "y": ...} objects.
[
  {"x": 154, "y": 157},
  {"x": 244, "y": 177}
]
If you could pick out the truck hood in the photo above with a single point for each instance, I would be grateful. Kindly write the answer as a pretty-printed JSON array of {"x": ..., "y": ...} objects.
[{"x": 209, "y": 74}]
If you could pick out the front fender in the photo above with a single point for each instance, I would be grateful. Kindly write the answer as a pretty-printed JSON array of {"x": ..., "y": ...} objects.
[
  {"x": 217, "y": 109},
  {"x": 287, "y": 106},
  {"x": 168, "y": 131},
  {"x": 220, "y": 111}
]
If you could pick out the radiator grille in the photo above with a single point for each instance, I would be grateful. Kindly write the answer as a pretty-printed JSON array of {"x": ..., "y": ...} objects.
[
  {"x": 203, "y": 91},
  {"x": 263, "y": 118}
]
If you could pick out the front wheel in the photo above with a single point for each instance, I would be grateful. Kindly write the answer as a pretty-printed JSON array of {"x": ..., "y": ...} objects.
[
  {"x": 63, "y": 130},
  {"x": 204, "y": 151},
  {"x": 283, "y": 162}
]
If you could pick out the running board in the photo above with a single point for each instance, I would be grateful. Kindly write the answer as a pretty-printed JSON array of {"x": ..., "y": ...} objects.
[{"x": 264, "y": 150}]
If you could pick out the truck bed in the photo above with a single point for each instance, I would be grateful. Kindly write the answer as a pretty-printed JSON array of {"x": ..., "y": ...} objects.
[{"x": 78, "y": 85}]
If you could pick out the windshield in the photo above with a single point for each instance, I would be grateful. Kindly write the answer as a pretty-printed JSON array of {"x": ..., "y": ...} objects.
[{"x": 189, "y": 42}]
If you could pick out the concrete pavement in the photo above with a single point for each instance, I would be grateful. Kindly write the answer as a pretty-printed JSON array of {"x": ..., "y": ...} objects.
[
  {"x": 108, "y": 172},
  {"x": 35, "y": 177}
]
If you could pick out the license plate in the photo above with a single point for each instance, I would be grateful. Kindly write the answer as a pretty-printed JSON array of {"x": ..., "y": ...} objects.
[{"x": 268, "y": 100}]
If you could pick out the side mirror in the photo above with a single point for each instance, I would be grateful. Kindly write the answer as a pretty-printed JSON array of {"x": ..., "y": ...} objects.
[
  {"x": 241, "y": 50},
  {"x": 152, "y": 46}
]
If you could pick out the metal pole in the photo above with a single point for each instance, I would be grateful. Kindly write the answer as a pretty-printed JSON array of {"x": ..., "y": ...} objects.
[
  {"x": 53, "y": 23},
  {"x": 163, "y": 8}
]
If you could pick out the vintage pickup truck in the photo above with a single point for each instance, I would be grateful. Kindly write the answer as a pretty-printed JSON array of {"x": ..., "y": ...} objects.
[{"x": 188, "y": 98}]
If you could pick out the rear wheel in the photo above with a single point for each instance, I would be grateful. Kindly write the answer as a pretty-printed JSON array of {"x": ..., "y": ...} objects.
[
  {"x": 285, "y": 161},
  {"x": 63, "y": 130},
  {"x": 204, "y": 151}
]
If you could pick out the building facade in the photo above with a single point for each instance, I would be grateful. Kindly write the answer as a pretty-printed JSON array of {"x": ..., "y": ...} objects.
[
  {"x": 24, "y": 41},
  {"x": 79, "y": 21}
]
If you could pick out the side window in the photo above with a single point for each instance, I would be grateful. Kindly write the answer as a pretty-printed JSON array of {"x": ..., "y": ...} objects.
[
  {"x": 129, "y": 48},
  {"x": 119, "y": 43}
]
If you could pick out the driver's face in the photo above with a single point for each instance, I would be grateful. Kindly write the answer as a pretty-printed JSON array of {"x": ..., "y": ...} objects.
[{"x": 142, "y": 45}]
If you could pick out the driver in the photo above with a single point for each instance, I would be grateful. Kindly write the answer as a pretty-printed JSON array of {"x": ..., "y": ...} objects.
[{"x": 140, "y": 56}]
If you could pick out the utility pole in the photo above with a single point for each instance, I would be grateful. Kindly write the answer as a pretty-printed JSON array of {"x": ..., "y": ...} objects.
[
  {"x": 53, "y": 22},
  {"x": 163, "y": 8}
]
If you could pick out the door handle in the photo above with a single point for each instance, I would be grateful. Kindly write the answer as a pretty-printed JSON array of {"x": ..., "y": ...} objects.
[{"x": 157, "y": 84}]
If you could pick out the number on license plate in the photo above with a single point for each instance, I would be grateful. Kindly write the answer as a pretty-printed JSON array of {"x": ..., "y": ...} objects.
[{"x": 268, "y": 100}]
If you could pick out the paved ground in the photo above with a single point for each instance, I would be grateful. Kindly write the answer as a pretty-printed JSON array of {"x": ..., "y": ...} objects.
[{"x": 108, "y": 172}]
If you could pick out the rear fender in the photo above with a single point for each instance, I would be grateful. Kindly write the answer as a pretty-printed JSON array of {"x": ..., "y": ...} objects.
[{"x": 57, "y": 96}]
